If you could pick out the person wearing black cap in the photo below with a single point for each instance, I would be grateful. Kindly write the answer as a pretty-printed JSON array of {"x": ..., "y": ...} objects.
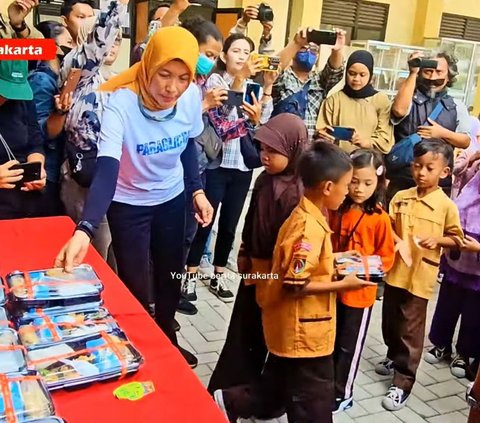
[
  {"x": 20, "y": 141},
  {"x": 359, "y": 106}
]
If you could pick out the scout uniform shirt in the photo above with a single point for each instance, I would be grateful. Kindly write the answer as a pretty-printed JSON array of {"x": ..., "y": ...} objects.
[
  {"x": 6, "y": 31},
  {"x": 299, "y": 326},
  {"x": 434, "y": 215}
]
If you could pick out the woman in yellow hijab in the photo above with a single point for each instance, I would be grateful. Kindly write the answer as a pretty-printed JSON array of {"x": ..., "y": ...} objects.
[{"x": 152, "y": 116}]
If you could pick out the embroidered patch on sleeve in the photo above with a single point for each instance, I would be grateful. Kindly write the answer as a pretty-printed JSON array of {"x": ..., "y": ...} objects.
[
  {"x": 302, "y": 245},
  {"x": 299, "y": 265}
]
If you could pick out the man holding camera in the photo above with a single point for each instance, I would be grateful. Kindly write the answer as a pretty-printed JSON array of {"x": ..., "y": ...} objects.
[
  {"x": 264, "y": 14},
  {"x": 300, "y": 77},
  {"x": 425, "y": 90}
]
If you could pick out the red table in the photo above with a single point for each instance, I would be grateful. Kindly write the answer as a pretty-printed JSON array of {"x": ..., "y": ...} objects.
[{"x": 179, "y": 397}]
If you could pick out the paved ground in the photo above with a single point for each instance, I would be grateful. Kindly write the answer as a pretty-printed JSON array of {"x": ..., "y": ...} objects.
[{"x": 438, "y": 396}]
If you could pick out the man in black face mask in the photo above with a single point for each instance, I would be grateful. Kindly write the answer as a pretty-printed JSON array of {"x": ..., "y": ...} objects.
[{"x": 415, "y": 101}]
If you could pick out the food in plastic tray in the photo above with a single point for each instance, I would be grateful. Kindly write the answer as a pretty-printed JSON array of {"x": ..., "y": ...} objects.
[
  {"x": 366, "y": 267},
  {"x": 12, "y": 354},
  {"x": 64, "y": 327},
  {"x": 98, "y": 357},
  {"x": 23, "y": 398},
  {"x": 52, "y": 419},
  {"x": 24, "y": 315},
  {"x": 43, "y": 286},
  {"x": 4, "y": 323}
]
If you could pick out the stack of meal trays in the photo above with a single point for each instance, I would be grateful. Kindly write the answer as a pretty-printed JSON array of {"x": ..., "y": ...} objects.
[
  {"x": 25, "y": 398},
  {"x": 53, "y": 291},
  {"x": 68, "y": 337}
]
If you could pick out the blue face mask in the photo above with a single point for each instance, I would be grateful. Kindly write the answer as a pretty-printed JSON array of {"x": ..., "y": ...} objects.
[
  {"x": 306, "y": 60},
  {"x": 204, "y": 65}
]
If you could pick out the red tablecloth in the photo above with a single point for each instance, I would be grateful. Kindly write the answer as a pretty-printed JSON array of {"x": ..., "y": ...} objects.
[{"x": 30, "y": 244}]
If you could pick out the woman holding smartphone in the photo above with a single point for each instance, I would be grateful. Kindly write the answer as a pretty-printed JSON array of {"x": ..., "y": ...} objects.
[
  {"x": 20, "y": 142},
  {"x": 360, "y": 107},
  {"x": 229, "y": 183}
]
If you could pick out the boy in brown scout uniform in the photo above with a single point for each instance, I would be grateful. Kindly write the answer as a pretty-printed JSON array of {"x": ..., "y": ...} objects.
[
  {"x": 298, "y": 305},
  {"x": 425, "y": 220}
]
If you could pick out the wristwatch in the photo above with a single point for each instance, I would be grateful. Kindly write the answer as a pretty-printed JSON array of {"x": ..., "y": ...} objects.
[
  {"x": 471, "y": 401},
  {"x": 20, "y": 28},
  {"x": 86, "y": 227}
]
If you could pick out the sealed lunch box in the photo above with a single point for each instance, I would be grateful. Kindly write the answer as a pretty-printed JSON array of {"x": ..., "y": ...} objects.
[
  {"x": 94, "y": 358},
  {"x": 65, "y": 327},
  {"x": 23, "y": 398},
  {"x": 3, "y": 299},
  {"x": 12, "y": 354},
  {"x": 24, "y": 315},
  {"x": 367, "y": 267},
  {"x": 54, "y": 287}
]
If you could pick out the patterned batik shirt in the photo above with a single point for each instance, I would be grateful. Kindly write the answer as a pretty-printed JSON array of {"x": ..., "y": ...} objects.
[
  {"x": 231, "y": 125},
  {"x": 82, "y": 126},
  {"x": 320, "y": 84}
]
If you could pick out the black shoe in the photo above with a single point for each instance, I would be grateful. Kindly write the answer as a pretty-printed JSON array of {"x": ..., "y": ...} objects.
[
  {"x": 176, "y": 325},
  {"x": 188, "y": 356},
  {"x": 186, "y": 307},
  {"x": 218, "y": 286}
]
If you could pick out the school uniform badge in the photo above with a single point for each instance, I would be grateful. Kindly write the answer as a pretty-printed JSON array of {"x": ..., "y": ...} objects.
[{"x": 299, "y": 265}]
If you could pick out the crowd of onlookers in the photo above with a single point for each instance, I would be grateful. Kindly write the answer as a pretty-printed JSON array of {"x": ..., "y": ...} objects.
[{"x": 144, "y": 160}]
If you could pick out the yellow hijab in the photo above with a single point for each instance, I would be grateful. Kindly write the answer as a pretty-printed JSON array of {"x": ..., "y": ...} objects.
[{"x": 167, "y": 44}]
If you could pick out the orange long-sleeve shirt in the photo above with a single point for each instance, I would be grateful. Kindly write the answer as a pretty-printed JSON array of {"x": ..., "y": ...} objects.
[{"x": 373, "y": 236}]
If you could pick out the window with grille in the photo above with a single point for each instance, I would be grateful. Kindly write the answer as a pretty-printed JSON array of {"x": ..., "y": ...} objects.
[
  {"x": 457, "y": 26},
  {"x": 363, "y": 20}
]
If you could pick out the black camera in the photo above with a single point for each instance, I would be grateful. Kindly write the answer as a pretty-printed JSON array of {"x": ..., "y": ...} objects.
[
  {"x": 423, "y": 63},
  {"x": 265, "y": 13}
]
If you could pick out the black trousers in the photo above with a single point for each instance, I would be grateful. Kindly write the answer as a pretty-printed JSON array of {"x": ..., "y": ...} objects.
[
  {"x": 303, "y": 386},
  {"x": 352, "y": 326},
  {"x": 146, "y": 237},
  {"x": 16, "y": 204},
  {"x": 244, "y": 352},
  {"x": 228, "y": 187}
]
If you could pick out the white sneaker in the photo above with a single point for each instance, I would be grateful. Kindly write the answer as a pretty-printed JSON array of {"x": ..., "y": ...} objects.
[
  {"x": 385, "y": 367},
  {"x": 206, "y": 268},
  {"x": 219, "y": 286},
  {"x": 189, "y": 287},
  {"x": 395, "y": 399}
]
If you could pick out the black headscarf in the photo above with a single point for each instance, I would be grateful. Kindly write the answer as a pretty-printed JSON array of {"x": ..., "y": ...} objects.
[
  {"x": 365, "y": 58},
  {"x": 275, "y": 196}
]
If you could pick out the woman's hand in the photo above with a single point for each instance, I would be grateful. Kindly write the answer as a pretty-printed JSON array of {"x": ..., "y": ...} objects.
[
  {"x": 203, "y": 209},
  {"x": 358, "y": 141},
  {"x": 73, "y": 252},
  {"x": 63, "y": 103},
  {"x": 269, "y": 79},
  {"x": 9, "y": 177},
  {"x": 251, "y": 67},
  {"x": 214, "y": 98},
  {"x": 36, "y": 185},
  {"x": 254, "y": 112},
  {"x": 325, "y": 134}
]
